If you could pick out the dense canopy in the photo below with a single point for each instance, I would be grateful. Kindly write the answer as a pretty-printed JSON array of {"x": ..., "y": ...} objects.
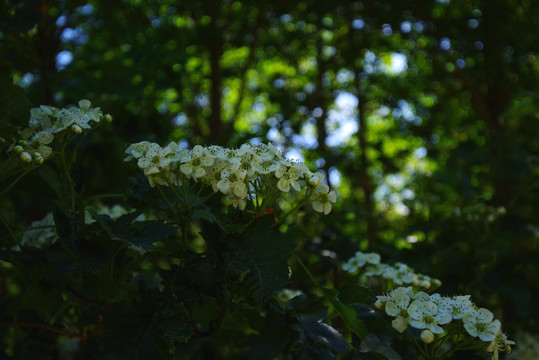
[{"x": 424, "y": 115}]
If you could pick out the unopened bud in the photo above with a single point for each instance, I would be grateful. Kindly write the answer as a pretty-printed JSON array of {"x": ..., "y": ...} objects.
[
  {"x": 108, "y": 118},
  {"x": 22, "y": 142},
  {"x": 38, "y": 159},
  {"x": 85, "y": 104},
  {"x": 2, "y": 140},
  {"x": 76, "y": 129},
  {"x": 18, "y": 149},
  {"x": 27, "y": 158},
  {"x": 427, "y": 336}
]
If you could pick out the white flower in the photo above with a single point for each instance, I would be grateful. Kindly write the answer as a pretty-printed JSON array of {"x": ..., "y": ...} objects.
[
  {"x": 397, "y": 306},
  {"x": 458, "y": 306},
  {"x": 287, "y": 176},
  {"x": 359, "y": 260},
  {"x": 232, "y": 182},
  {"x": 481, "y": 323},
  {"x": 195, "y": 165},
  {"x": 425, "y": 315},
  {"x": 137, "y": 150},
  {"x": 325, "y": 201}
]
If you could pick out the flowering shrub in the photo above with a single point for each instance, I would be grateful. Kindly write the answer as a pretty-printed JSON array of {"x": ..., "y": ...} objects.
[
  {"x": 444, "y": 319},
  {"x": 251, "y": 174},
  {"x": 374, "y": 273},
  {"x": 188, "y": 274}
]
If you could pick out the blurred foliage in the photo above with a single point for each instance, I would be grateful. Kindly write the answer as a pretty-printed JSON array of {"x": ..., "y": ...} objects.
[{"x": 424, "y": 114}]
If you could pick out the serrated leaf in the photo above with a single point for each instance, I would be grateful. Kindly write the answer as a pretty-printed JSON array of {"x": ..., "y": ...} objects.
[
  {"x": 347, "y": 312},
  {"x": 260, "y": 257},
  {"x": 142, "y": 235},
  {"x": 373, "y": 343}
]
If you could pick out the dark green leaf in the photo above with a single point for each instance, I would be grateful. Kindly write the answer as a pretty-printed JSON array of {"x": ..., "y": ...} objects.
[{"x": 260, "y": 259}]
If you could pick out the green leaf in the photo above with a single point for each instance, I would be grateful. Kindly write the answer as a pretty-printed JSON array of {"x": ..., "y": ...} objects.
[
  {"x": 260, "y": 259},
  {"x": 146, "y": 328},
  {"x": 347, "y": 312},
  {"x": 142, "y": 235},
  {"x": 373, "y": 343},
  {"x": 14, "y": 107}
]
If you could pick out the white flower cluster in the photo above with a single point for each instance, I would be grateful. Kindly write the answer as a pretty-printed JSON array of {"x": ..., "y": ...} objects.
[
  {"x": 371, "y": 269},
  {"x": 46, "y": 122},
  {"x": 240, "y": 174},
  {"x": 41, "y": 234},
  {"x": 430, "y": 312}
]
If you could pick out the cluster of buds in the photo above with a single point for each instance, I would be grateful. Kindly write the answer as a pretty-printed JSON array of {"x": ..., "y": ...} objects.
[
  {"x": 46, "y": 122},
  {"x": 241, "y": 174},
  {"x": 371, "y": 270},
  {"x": 434, "y": 314}
]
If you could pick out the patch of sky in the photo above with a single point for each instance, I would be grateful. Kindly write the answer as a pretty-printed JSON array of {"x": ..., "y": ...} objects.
[
  {"x": 419, "y": 26},
  {"x": 473, "y": 23},
  {"x": 279, "y": 83},
  {"x": 334, "y": 177},
  {"x": 87, "y": 9},
  {"x": 387, "y": 30},
  {"x": 407, "y": 194},
  {"x": 183, "y": 143},
  {"x": 180, "y": 120},
  {"x": 420, "y": 152},
  {"x": 272, "y": 121},
  {"x": 63, "y": 59},
  {"x": 309, "y": 88},
  {"x": 61, "y": 21},
  {"x": 26, "y": 80},
  {"x": 329, "y": 51},
  {"x": 341, "y": 121},
  {"x": 259, "y": 107},
  {"x": 156, "y": 22},
  {"x": 255, "y": 141},
  {"x": 358, "y": 24},
  {"x": 396, "y": 181},
  {"x": 77, "y": 35},
  {"x": 294, "y": 154},
  {"x": 307, "y": 137},
  {"x": 345, "y": 76},
  {"x": 274, "y": 135},
  {"x": 445, "y": 44},
  {"x": 406, "y": 27},
  {"x": 202, "y": 101}
]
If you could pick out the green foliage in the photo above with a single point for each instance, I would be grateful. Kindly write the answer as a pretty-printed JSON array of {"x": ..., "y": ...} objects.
[{"x": 438, "y": 170}]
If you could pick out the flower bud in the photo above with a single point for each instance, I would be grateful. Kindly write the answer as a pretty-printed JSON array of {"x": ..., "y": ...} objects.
[
  {"x": 76, "y": 129},
  {"x": 427, "y": 336},
  {"x": 27, "y": 158},
  {"x": 18, "y": 149},
  {"x": 108, "y": 118},
  {"x": 38, "y": 159},
  {"x": 85, "y": 104},
  {"x": 2, "y": 140},
  {"x": 22, "y": 142}
]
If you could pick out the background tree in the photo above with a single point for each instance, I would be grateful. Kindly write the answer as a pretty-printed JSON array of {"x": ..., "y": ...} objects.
[{"x": 424, "y": 115}]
